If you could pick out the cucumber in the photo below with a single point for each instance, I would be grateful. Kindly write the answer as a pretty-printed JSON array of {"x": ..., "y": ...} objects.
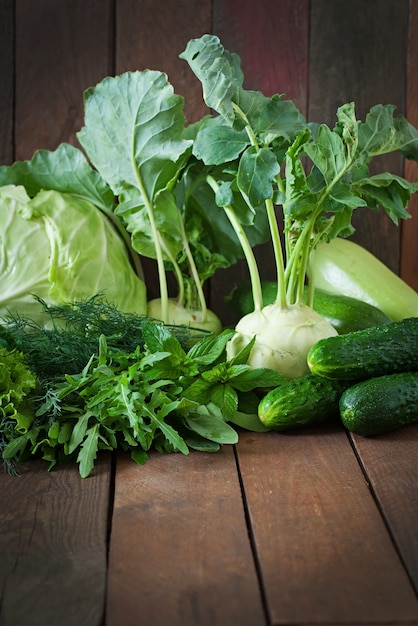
[
  {"x": 385, "y": 349},
  {"x": 346, "y": 268},
  {"x": 344, "y": 313},
  {"x": 381, "y": 404},
  {"x": 300, "y": 402},
  {"x": 347, "y": 314}
]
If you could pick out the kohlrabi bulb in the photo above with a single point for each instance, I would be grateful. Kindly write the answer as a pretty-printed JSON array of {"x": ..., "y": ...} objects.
[
  {"x": 283, "y": 337},
  {"x": 180, "y": 315}
]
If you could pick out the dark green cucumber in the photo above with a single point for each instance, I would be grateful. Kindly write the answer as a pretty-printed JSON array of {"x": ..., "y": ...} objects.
[
  {"x": 386, "y": 349},
  {"x": 381, "y": 404},
  {"x": 307, "y": 400},
  {"x": 346, "y": 314}
]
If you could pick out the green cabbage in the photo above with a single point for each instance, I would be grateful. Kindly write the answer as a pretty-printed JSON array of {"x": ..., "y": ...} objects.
[{"x": 60, "y": 248}]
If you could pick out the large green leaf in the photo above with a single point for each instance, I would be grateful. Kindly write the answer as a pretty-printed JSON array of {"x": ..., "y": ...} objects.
[
  {"x": 382, "y": 133},
  {"x": 218, "y": 70},
  {"x": 133, "y": 131},
  {"x": 256, "y": 175},
  {"x": 65, "y": 169}
]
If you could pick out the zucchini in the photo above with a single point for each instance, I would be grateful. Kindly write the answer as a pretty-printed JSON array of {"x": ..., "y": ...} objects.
[
  {"x": 345, "y": 314},
  {"x": 386, "y": 349},
  {"x": 300, "y": 402},
  {"x": 381, "y": 404},
  {"x": 345, "y": 268}
]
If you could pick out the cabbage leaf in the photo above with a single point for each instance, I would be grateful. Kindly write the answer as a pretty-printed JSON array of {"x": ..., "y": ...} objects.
[{"x": 61, "y": 248}]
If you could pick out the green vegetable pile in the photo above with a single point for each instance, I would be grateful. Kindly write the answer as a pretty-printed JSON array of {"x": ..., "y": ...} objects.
[
  {"x": 143, "y": 386},
  {"x": 111, "y": 368}
]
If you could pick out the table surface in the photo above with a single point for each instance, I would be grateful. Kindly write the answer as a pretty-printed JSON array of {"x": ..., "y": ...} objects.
[{"x": 307, "y": 528}]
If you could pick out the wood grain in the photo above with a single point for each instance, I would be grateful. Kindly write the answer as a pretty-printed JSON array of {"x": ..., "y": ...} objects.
[
  {"x": 357, "y": 53},
  {"x": 179, "y": 551},
  {"x": 61, "y": 49},
  {"x": 409, "y": 254},
  {"x": 151, "y": 37},
  {"x": 390, "y": 462},
  {"x": 324, "y": 552},
  {"x": 6, "y": 81},
  {"x": 53, "y": 545},
  {"x": 272, "y": 43}
]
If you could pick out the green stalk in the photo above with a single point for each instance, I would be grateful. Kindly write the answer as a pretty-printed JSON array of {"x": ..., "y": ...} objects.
[
  {"x": 193, "y": 268},
  {"x": 246, "y": 248},
  {"x": 298, "y": 259},
  {"x": 177, "y": 272},
  {"x": 162, "y": 277},
  {"x": 274, "y": 228},
  {"x": 281, "y": 300}
]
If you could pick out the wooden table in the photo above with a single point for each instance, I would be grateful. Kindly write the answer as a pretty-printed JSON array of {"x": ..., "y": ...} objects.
[{"x": 308, "y": 528}]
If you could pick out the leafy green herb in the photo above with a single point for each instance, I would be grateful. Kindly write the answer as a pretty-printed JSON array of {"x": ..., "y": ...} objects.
[
  {"x": 151, "y": 397},
  {"x": 69, "y": 334},
  {"x": 17, "y": 382}
]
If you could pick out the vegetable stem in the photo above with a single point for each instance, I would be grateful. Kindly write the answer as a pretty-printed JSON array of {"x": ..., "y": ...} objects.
[
  {"x": 281, "y": 300},
  {"x": 246, "y": 247},
  {"x": 193, "y": 269},
  {"x": 162, "y": 277},
  {"x": 177, "y": 272}
]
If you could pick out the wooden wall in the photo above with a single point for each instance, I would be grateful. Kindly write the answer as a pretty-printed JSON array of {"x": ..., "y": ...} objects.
[{"x": 320, "y": 53}]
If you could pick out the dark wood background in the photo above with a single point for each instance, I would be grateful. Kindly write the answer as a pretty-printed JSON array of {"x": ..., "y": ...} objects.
[{"x": 319, "y": 53}]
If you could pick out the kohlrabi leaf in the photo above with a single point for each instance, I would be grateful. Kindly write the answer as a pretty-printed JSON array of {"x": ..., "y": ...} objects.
[
  {"x": 388, "y": 191},
  {"x": 217, "y": 142},
  {"x": 277, "y": 118},
  {"x": 256, "y": 175},
  {"x": 65, "y": 169},
  {"x": 382, "y": 133},
  {"x": 218, "y": 70},
  {"x": 133, "y": 131},
  {"x": 328, "y": 154},
  {"x": 137, "y": 222},
  {"x": 207, "y": 223}
]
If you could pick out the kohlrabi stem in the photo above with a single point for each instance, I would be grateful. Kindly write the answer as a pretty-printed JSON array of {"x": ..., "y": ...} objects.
[
  {"x": 177, "y": 272},
  {"x": 246, "y": 248},
  {"x": 281, "y": 300},
  {"x": 274, "y": 228},
  {"x": 193, "y": 268},
  {"x": 297, "y": 261},
  {"x": 162, "y": 277}
]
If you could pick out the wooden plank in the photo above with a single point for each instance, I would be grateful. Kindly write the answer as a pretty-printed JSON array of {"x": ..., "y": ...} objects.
[
  {"x": 179, "y": 550},
  {"x": 272, "y": 43},
  {"x": 358, "y": 53},
  {"x": 53, "y": 545},
  {"x": 6, "y": 80},
  {"x": 390, "y": 462},
  {"x": 148, "y": 38},
  {"x": 324, "y": 552},
  {"x": 409, "y": 257},
  {"x": 61, "y": 49}
]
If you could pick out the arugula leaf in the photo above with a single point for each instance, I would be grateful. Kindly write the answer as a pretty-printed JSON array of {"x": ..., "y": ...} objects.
[{"x": 88, "y": 451}]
